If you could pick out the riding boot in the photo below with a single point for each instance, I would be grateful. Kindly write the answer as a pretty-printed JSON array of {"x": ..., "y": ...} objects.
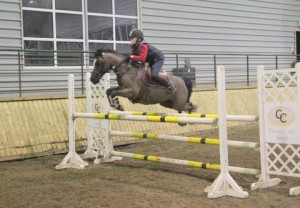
[
  {"x": 167, "y": 83},
  {"x": 171, "y": 88}
]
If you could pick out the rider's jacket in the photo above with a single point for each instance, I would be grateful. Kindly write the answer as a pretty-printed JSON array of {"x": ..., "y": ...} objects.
[{"x": 144, "y": 52}]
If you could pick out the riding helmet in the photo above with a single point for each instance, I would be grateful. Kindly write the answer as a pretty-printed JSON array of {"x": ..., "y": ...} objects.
[{"x": 136, "y": 34}]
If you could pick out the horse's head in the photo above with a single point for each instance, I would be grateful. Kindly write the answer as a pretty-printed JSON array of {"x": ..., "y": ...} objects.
[
  {"x": 100, "y": 66},
  {"x": 105, "y": 60}
]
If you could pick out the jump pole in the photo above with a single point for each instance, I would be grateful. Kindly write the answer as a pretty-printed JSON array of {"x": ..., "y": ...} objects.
[
  {"x": 199, "y": 140},
  {"x": 189, "y": 163},
  {"x": 244, "y": 118},
  {"x": 167, "y": 119}
]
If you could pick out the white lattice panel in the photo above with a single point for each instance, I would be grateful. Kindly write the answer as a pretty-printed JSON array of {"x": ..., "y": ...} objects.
[
  {"x": 283, "y": 159},
  {"x": 280, "y": 86},
  {"x": 97, "y": 135},
  {"x": 98, "y": 130}
]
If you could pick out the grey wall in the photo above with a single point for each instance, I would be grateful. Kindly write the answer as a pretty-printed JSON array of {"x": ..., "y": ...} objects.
[
  {"x": 10, "y": 24},
  {"x": 222, "y": 26},
  {"x": 10, "y": 38},
  {"x": 218, "y": 26},
  {"x": 198, "y": 26}
]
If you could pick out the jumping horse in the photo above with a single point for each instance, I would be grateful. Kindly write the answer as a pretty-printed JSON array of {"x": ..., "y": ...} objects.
[{"x": 132, "y": 84}]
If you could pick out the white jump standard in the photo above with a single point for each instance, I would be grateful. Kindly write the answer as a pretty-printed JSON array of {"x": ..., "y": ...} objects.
[
  {"x": 279, "y": 113},
  {"x": 279, "y": 101},
  {"x": 224, "y": 185}
]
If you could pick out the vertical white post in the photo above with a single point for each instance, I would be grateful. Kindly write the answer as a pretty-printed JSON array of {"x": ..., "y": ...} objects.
[
  {"x": 263, "y": 159},
  {"x": 224, "y": 185},
  {"x": 264, "y": 180},
  {"x": 296, "y": 190},
  {"x": 72, "y": 159}
]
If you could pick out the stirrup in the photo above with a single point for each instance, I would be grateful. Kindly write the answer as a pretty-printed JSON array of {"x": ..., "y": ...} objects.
[{"x": 171, "y": 90}]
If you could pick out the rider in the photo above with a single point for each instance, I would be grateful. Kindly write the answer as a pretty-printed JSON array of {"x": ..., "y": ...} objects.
[{"x": 144, "y": 52}]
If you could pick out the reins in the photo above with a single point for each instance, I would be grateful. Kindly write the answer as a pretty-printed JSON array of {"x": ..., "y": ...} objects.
[
  {"x": 119, "y": 74},
  {"x": 115, "y": 68}
]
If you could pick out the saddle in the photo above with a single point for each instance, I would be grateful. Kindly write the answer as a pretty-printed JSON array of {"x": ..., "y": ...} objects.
[{"x": 145, "y": 75}]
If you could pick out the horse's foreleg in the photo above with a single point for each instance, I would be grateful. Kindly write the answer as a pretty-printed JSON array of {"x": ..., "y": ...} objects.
[
  {"x": 113, "y": 102},
  {"x": 112, "y": 93}
]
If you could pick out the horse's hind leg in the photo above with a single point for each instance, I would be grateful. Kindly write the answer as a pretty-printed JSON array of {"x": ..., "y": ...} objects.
[
  {"x": 190, "y": 107},
  {"x": 181, "y": 123}
]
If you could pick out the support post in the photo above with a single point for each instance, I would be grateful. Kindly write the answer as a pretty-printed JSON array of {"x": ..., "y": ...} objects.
[
  {"x": 224, "y": 185},
  {"x": 72, "y": 159},
  {"x": 264, "y": 180}
]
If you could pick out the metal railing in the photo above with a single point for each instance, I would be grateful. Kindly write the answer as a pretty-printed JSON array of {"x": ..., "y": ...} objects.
[{"x": 26, "y": 73}]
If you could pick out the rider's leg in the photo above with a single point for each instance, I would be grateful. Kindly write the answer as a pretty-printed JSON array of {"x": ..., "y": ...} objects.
[{"x": 155, "y": 75}]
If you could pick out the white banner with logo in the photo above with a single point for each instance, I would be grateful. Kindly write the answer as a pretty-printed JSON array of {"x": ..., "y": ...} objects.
[{"x": 282, "y": 123}]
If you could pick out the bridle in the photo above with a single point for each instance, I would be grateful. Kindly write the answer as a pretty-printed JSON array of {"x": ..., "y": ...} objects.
[
  {"x": 113, "y": 67},
  {"x": 102, "y": 62}
]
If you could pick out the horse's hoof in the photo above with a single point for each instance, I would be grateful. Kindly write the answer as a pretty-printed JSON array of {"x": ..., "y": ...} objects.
[
  {"x": 192, "y": 108},
  {"x": 116, "y": 102},
  {"x": 120, "y": 108},
  {"x": 181, "y": 124},
  {"x": 108, "y": 91}
]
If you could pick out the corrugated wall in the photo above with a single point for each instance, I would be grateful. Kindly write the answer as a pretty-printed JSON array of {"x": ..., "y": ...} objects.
[
  {"x": 223, "y": 27},
  {"x": 10, "y": 38},
  {"x": 218, "y": 26},
  {"x": 39, "y": 127},
  {"x": 10, "y": 24}
]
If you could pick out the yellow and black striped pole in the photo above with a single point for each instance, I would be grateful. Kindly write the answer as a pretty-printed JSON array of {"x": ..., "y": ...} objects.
[
  {"x": 191, "y": 115},
  {"x": 166, "y": 119},
  {"x": 189, "y": 163},
  {"x": 199, "y": 140}
]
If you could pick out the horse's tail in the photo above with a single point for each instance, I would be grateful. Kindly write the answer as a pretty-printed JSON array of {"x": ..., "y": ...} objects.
[{"x": 189, "y": 86}]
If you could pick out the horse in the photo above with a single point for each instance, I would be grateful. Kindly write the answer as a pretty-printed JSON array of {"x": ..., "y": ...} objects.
[{"x": 132, "y": 85}]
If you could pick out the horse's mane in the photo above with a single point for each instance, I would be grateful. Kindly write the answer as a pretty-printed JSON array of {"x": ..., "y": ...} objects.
[{"x": 99, "y": 52}]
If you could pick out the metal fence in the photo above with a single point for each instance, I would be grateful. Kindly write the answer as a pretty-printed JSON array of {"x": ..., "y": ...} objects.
[{"x": 26, "y": 73}]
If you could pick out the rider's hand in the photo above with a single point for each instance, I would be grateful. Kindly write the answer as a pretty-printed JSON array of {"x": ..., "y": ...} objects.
[{"x": 127, "y": 59}]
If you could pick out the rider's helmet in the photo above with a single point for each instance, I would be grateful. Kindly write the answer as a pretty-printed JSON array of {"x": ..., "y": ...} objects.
[{"x": 136, "y": 34}]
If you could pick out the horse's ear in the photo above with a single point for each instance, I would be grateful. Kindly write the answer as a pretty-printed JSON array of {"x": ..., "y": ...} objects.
[{"x": 98, "y": 53}]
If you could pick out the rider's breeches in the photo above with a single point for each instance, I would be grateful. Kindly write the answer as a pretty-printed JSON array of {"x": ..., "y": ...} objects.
[{"x": 155, "y": 68}]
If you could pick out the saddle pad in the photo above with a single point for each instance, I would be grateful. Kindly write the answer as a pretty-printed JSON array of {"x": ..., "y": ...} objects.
[{"x": 145, "y": 75}]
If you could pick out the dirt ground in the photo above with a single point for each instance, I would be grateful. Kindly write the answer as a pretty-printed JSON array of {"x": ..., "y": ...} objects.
[{"x": 132, "y": 183}]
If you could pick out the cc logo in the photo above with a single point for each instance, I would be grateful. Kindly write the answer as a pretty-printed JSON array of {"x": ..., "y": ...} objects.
[
  {"x": 281, "y": 116},
  {"x": 97, "y": 108}
]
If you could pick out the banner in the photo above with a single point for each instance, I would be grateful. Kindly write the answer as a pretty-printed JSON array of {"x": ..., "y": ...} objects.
[{"x": 282, "y": 123}]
